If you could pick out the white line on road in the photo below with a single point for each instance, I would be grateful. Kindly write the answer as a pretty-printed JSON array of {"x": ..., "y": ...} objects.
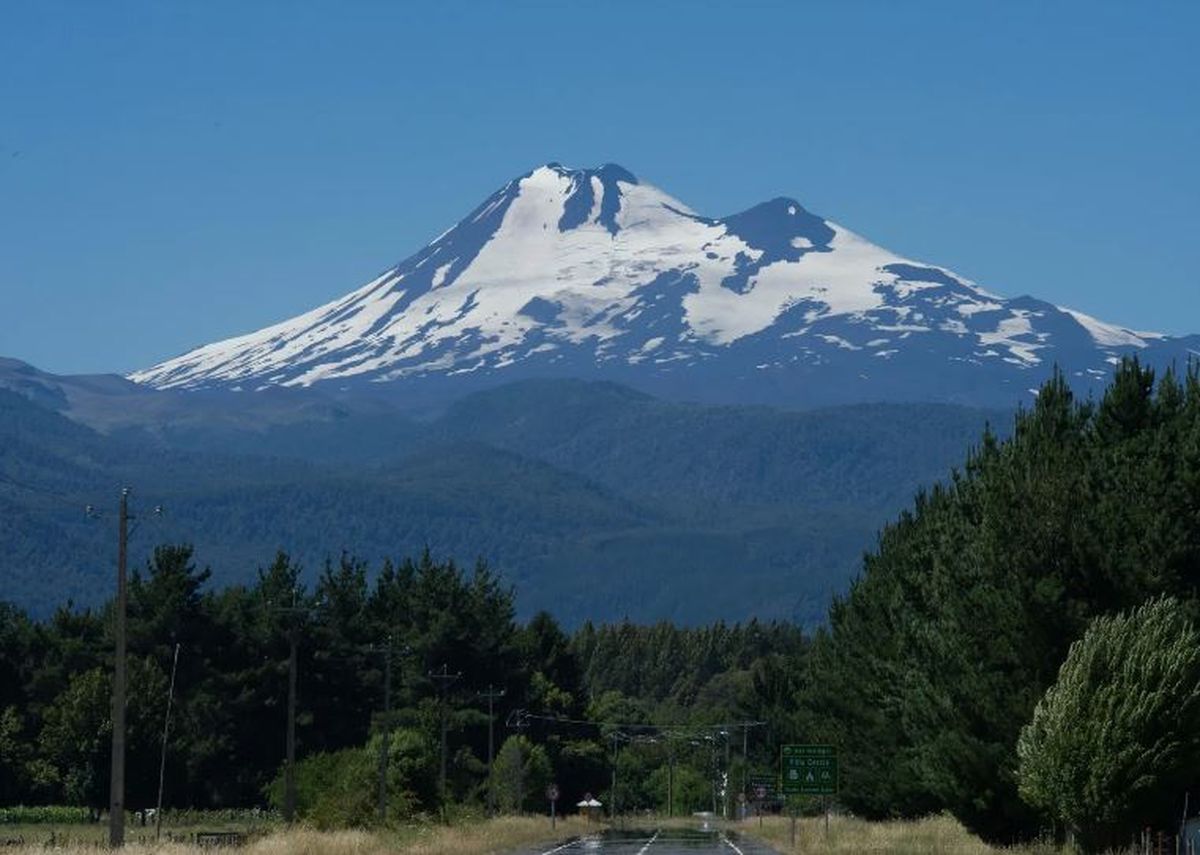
[
  {"x": 566, "y": 845},
  {"x": 649, "y": 842},
  {"x": 732, "y": 845}
]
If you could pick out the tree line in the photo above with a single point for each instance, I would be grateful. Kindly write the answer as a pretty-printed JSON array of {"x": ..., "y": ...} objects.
[
  {"x": 960, "y": 626},
  {"x": 226, "y": 740}
]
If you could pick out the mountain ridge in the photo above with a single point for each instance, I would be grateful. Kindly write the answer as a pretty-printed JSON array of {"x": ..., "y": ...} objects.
[{"x": 593, "y": 273}]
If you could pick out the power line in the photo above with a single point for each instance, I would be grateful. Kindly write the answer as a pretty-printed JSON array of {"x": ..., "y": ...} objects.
[
  {"x": 519, "y": 716},
  {"x": 59, "y": 496}
]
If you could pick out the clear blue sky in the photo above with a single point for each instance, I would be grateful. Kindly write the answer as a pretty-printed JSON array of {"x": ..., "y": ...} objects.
[{"x": 176, "y": 172}]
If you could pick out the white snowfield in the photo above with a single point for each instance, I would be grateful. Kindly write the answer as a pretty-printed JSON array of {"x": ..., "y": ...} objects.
[{"x": 605, "y": 287}]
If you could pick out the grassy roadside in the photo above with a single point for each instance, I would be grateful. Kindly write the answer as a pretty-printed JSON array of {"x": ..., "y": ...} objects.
[
  {"x": 484, "y": 837},
  {"x": 940, "y": 835}
]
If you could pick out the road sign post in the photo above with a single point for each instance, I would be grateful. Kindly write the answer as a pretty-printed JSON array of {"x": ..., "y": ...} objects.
[
  {"x": 762, "y": 789},
  {"x": 552, "y": 795},
  {"x": 809, "y": 770}
]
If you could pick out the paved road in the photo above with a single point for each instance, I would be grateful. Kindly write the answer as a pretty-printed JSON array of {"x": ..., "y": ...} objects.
[{"x": 665, "y": 841}]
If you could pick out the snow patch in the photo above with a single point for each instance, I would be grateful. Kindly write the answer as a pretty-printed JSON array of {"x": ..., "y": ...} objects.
[
  {"x": 1104, "y": 334},
  {"x": 1008, "y": 334},
  {"x": 439, "y": 275},
  {"x": 839, "y": 341}
]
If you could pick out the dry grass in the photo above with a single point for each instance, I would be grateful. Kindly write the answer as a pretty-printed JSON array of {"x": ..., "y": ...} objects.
[
  {"x": 490, "y": 837},
  {"x": 486, "y": 838},
  {"x": 933, "y": 836}
]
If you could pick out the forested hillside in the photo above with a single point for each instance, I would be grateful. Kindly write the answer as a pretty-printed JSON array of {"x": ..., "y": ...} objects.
[{"x": 595, "y": 501}]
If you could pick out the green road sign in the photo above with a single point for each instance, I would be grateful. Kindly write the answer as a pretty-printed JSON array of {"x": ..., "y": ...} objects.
[{"x": 809, "y": 770}]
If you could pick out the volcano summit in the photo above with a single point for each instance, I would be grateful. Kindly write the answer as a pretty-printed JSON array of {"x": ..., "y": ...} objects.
[{"x": 592, "y": 273}]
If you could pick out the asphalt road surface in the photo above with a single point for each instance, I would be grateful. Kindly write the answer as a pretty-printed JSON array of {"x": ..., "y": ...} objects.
[{"x": 664, "y": 841}]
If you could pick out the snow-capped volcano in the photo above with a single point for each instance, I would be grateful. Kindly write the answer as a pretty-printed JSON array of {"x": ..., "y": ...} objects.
[{"x": 590, "y": 272}]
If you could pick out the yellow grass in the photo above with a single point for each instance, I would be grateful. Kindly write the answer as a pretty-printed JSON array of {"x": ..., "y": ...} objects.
[
  {"x": 490, "y": 837},
  {"x": 939, "y": 835},
  {"x": 484, "y": 838},
  {"x": 847, "y": 836}
]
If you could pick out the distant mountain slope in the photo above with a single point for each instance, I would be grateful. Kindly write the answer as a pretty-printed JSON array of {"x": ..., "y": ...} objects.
[
  {"x": 591, "y": 273},
  {"x": 594, "y": 500},
  {"x": 866, "y": 456}
]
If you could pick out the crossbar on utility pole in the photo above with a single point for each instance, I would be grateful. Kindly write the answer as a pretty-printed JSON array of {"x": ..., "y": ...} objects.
[{"x": 492, "y": 695}]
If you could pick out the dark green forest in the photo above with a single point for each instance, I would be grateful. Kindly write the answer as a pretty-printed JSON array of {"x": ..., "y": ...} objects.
[
  {"x": 934, "y": 662},
  {"x": 564, "y": 696},
  {"x": 991, "y": 597}
]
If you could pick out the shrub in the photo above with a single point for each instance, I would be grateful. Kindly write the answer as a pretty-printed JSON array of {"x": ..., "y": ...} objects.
[
  {"x": 44, "y": 815},
  {"x": 340, "y": 789},
  {"x": 521, "y": 774},
  {"x": 1116, "y": 740}
]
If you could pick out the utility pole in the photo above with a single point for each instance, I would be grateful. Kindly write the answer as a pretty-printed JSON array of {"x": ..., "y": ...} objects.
[
  {"x": 728, "y": 782},
  {"x": 491, "y": 694},
  {"x": 712, "y": 769},
  {"x": 289, "y": 772},
  {"x": 670, "y": 778},
  {"x": 296, "y": 612},
  {"x": 116, "y": 790},
  {"x": 745, "y": 763},
  {"x": 444, "y": 681},
  {"x": 613, "y": 791},
  {"x": 387, "y": 731},
  {"x": 116, "y": 804}
]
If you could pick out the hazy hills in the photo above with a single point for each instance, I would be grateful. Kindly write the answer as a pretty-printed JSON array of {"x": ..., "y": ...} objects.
[{"x": 594, "y": 500}]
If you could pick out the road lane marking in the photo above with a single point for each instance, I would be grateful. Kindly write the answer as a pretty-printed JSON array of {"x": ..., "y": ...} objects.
[
  {"x": 732, "y": 845},
  {"x": 649, "y": 842},
  {"x": 566, "y": 845}
]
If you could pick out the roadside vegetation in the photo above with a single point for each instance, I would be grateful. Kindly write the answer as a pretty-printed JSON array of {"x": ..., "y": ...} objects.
[
  {"x": 936, "y": 660},
  {"x": 472, "y": 837},
  {"x": 936, "y": 835}
]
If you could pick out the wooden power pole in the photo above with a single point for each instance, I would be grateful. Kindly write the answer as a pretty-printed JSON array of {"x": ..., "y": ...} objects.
[
  {"x": 116, "y": 803},
  {"x": 444, "y": 680},
  {"x": 491, "y": 694},
  {"x": 289, "y": 770},
  {"x": 295, "y": 613},
  {"x": 384, "y": 742}
]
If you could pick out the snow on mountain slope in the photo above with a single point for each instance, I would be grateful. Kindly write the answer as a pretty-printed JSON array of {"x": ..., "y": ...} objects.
[{"x": 590, "y": 272}]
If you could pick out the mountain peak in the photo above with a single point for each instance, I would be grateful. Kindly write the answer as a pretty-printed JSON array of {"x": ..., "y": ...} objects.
[
  {"x": 611, "y": 172},
  {"x": 590, "y": 273}
]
